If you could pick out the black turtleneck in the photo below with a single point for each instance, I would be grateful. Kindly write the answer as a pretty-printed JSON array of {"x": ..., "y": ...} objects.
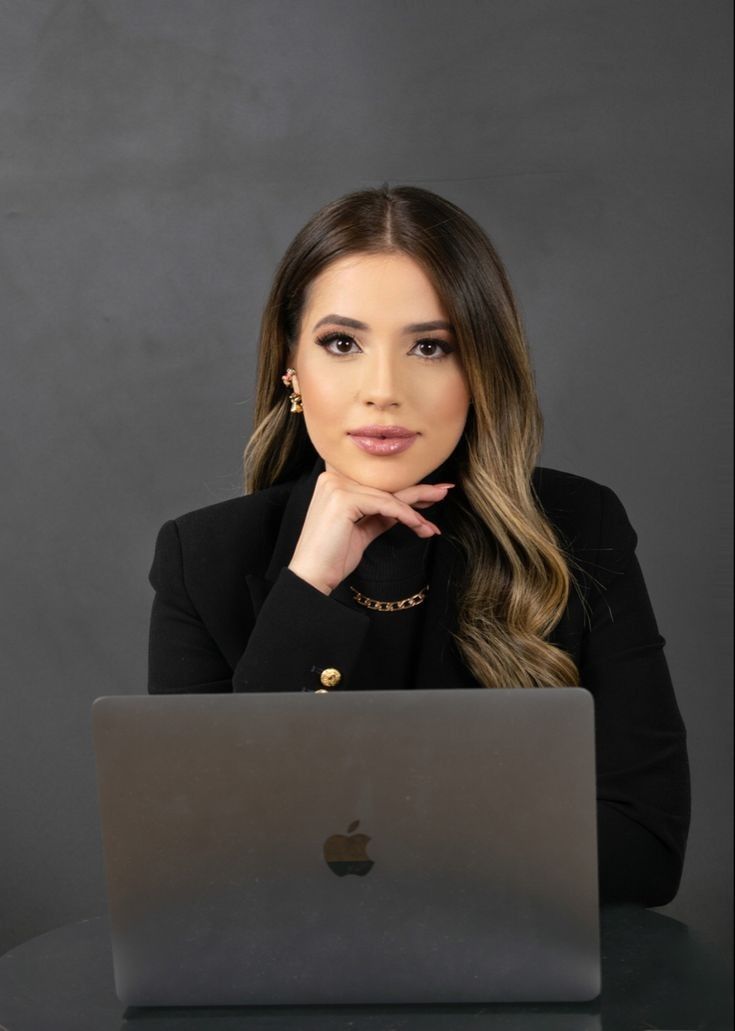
[{"x": 394, "y": 566}]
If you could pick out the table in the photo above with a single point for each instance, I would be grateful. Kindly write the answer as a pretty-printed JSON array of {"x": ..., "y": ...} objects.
[{"x": 655, "y": 974}]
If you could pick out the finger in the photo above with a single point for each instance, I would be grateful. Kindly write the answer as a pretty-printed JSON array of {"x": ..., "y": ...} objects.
[
  {"x": 428, "y": 492},
  {"x": 423, "y": 494},
  {"x": 387, "y": 506},
  {"x": 426, "y": 504}
]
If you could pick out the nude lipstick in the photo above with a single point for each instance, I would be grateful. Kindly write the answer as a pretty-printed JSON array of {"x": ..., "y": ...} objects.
[{"x": 383, "y": 440}]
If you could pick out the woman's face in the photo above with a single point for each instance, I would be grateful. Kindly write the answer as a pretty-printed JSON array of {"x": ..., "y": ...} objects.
[{"x": 362, "y": 360}]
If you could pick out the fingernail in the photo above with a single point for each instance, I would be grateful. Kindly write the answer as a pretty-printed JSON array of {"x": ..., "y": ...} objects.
[{"x": 445, "y": 485}]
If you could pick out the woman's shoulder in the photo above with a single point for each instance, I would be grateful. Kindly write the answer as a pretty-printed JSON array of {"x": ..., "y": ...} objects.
[
  {"x": 237, "y": 528},
  {"x": 588, "y": 516},
  {"x": 565, "y": 491},
  {"x": 259, "y": 506}
]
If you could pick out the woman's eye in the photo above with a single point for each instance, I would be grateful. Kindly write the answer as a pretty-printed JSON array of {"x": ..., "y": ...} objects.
[
  {"x": 339, "y": 344},
  {"x": 437, "y": 349},
  {"x": 336, "y": 339}
]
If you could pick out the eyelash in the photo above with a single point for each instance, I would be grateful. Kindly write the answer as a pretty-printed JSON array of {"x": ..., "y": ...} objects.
[{"x": 328, "y": 338}]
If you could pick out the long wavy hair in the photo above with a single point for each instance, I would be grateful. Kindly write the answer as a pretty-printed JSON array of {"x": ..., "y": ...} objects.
[{"x": 515, "y": 578}]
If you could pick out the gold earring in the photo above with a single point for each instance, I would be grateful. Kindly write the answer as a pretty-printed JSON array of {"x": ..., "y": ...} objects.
[{"x": 294, "y": 398}]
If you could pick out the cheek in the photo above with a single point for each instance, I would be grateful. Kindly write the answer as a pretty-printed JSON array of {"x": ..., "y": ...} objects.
[
  {"x": 325, "y": 396},
  {"x": 324, "y": 400},
  {"x": 450, "y": 401}
]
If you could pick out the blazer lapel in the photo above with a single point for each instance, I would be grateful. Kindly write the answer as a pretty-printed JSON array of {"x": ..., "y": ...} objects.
[
  {"x": 259, "y": 589},
  {"x": 289, "y": 532}
]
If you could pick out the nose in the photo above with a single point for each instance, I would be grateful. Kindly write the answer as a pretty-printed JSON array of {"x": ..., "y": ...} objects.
[{"x": 380, "y": 386}]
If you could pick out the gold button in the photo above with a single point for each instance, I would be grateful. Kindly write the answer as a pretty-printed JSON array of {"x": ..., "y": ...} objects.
[{"x": 330, "y": 677}]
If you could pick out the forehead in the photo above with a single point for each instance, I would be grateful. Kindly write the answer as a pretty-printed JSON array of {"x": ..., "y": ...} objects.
[{"x": 391, "y": 284}]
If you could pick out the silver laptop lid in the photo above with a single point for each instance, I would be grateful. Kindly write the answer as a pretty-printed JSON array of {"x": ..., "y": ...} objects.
[{"x": 364, "y": 847}]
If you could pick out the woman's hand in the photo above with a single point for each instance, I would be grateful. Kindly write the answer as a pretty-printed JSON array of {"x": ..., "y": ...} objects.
[{"x": 345, "y": 516}]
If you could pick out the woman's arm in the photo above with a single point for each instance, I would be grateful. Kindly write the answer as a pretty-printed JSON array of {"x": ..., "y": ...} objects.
[
  {"x": 642, "y": 765},
  {"x": 298, "y": 632}
]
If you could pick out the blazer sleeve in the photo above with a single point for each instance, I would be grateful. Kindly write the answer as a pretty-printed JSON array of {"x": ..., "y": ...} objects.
[
  {"x": 643, "y": 785},
  {"x": 298, "y": 632}
]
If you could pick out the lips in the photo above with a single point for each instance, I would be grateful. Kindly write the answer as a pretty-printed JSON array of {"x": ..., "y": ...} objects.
[
  {"x": 383, "y": 441},
  {"x": 382, "y": 432}
]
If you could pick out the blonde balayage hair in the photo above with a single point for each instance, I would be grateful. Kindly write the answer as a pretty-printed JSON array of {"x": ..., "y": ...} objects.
[{"x": 515, "y": 579}]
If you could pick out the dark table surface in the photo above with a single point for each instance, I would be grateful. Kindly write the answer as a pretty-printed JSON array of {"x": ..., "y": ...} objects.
[{"x": 655, "y": 974}]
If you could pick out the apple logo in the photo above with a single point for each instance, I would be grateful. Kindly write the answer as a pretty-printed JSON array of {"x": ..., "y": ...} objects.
[{"x": 347, "y": 854}]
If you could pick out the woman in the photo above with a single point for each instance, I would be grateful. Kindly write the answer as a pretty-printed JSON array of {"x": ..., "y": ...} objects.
[{"x": 397, "y": 533}]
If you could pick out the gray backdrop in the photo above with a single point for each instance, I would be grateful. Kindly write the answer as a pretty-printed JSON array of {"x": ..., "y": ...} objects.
[{"x": 156, "y": 159}]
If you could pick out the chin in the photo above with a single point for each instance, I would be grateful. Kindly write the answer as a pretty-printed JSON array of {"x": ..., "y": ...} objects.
[
  {"x": 386, "y": 474},
  {"x": 390, "y": 483}
]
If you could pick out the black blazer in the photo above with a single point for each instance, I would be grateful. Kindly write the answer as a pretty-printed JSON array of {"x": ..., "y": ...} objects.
[{"x": 229, "y": 615}]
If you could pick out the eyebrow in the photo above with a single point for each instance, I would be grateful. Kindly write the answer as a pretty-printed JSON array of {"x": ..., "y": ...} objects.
[{"x": 415, "y": 327}]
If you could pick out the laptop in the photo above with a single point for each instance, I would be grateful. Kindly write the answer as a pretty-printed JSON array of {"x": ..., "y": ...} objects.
[{"x": 367, "y": 847}]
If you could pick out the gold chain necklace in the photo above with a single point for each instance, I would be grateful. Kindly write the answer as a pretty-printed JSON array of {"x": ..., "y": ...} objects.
[{"x": 390, "y": 606}]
